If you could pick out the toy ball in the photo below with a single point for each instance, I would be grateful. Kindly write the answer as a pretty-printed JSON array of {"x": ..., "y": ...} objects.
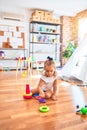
[{"x": 23, "y": 75}]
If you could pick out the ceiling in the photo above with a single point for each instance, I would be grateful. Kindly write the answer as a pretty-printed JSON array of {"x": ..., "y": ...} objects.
[{"x": 58, "y": 7}]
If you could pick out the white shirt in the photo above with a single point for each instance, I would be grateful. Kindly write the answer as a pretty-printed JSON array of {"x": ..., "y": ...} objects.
[{"x": 48, "y": 81}]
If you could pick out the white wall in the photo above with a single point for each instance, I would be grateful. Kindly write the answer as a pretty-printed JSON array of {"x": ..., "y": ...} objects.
[
  {"x": 82, "y": 28},
  {"x": 25, "y": 24}
]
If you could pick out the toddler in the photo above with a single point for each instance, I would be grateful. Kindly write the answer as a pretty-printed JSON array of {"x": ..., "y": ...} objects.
[{"x": 48, "y": 84}]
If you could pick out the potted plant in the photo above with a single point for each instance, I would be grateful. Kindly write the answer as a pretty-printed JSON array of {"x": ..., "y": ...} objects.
[{"x": 69, "y": 50}]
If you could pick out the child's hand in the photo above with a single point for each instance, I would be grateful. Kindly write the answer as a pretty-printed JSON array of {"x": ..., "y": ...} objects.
[
  {"x": 54, "y": 97},
  {"x": 42, "y": 94}
]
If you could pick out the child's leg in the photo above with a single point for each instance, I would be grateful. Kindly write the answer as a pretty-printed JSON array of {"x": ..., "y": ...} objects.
[
  {"x": 55, "y": 93},
  {"x": 48, "y": 94},
  {"x": 42, "y": 93},
  {"x": 55, "y": 90},
  {"x": 34, "y": 90}
]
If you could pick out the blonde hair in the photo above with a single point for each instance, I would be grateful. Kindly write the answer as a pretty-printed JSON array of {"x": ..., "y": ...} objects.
[{"x": 49, "y": 63}]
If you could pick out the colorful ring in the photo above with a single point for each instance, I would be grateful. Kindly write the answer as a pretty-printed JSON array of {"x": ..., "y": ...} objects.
[
  {"x": 42, "y": 100},
  {"x": 44, "y": 109},
  {"x": 25, "y": 94}
]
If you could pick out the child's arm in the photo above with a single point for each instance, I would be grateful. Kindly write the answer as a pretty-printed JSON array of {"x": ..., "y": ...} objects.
[
  {"x": 41, "y": 93},
  {"x": 55, "y": 90}
]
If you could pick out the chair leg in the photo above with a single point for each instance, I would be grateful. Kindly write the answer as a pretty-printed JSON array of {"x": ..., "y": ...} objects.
[
  {"x": 21, "y": 63},
  {"x": 29, "y": 69},
  {"x": 17, "y": 68},
  {"x": 37, "y": 67}
]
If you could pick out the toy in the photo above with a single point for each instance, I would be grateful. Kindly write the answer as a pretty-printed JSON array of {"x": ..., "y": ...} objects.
[
  {"x": 28, "y": 94},
  {"x": 82, "y": 111},
  {"x": 42, "y": 100},
  {"x": 39, "y": 98},
  {"x": 44, "y": 109},
  {"x": 36, "y": 95},
  {"x": 2, "y": 55},
  {"x": 20, "y": 61}
]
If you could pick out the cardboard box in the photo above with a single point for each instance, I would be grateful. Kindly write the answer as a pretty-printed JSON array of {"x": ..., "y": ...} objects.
[
  {"x": 50, "y": 20},
  {"x": 43, "y": 19},
  {"x": 1, "y": 33},
  {"x": 6, "y": 45},
  {"x": 35, "y": 18},
  {"x": 48, "y": 14},
  {"x": 57, "y": 21},
  {"x": 38, "y": 13},
  {"x": 20, "y": 46}
]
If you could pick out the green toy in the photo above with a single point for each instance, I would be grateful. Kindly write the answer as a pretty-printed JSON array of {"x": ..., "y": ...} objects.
[
  {"x": 82, "y": 111},
  {"x": 44, "y": 109}
]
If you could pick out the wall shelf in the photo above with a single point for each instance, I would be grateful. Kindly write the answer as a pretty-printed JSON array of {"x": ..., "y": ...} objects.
[
  {"x": 10, "y": 55},
  {"x": 44, "y": 40}
]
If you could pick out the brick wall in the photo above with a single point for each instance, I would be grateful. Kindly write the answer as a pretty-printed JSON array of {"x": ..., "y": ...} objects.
[
  {"x": 82, "y": 14},
  {"x": 69, "y": 29}
]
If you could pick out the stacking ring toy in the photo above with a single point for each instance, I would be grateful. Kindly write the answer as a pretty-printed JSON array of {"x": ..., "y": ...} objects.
[
  {"x": 42, "y": 100},
  {"x": 27, "y": 96},
  {"x": 44, "y": 109}
]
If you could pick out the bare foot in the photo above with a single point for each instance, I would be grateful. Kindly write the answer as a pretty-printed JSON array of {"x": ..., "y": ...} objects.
[{"x": 55, "y": 98}]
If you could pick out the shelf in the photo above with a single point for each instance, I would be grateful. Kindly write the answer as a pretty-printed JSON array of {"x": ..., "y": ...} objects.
[
  {"x": 42, "y": 43},
  {"x": 44, "y": 40},
  {"x": 48, "y": 33},
  {"x": 13, "y": 49},
  {"x": 12, "y": 68},
  {"x": 7, "y": 59},
  {"x": 45, "y": 23},
  {"x": 10, "y": 55},
  {"x": 42, "y": 52}
]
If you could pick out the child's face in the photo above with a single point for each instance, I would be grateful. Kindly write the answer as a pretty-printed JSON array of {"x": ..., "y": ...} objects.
[{"x": 49, "y": 70}]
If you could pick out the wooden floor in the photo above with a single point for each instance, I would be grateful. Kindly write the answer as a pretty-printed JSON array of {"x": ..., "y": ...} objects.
[{"x": 19, "y": 114}]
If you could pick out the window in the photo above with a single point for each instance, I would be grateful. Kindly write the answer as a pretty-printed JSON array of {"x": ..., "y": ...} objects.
[{"x": 82, "y": 28}]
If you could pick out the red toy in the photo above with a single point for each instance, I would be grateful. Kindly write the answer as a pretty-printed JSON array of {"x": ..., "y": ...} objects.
[{"x": 28, "y": 94}]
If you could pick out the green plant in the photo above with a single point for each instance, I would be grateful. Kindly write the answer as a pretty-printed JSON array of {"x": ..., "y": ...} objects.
[{"x": 69, "y": 50}]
